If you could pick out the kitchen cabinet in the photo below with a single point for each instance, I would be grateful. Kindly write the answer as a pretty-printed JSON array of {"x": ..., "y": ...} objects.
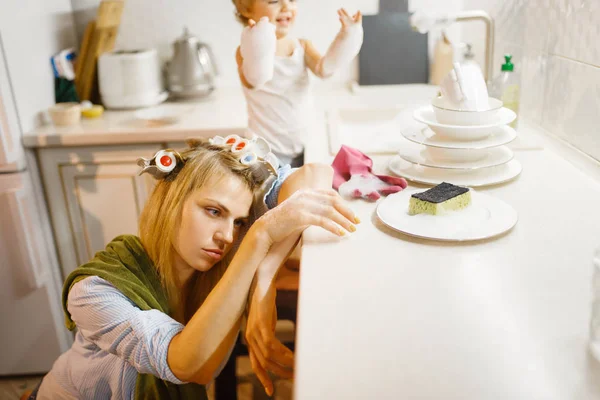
[{"x": 94, "y": 194}]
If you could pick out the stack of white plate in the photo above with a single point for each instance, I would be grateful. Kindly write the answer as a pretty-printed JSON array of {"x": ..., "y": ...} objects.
[{"x": 466, "y": 148}]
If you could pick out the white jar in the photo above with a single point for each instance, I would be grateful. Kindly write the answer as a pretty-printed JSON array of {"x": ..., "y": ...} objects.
[{"x": 131, "y": 79}]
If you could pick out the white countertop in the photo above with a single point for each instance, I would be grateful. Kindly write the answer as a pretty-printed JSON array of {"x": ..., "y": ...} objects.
[
  {"x": 223, "y": 113},
  {"x": 386, "y": 316}
]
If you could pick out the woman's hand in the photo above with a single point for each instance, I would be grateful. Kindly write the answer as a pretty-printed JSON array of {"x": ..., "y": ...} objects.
[
  {"x": 304, "y": 208},
  {"x": 266, "y": 352}
]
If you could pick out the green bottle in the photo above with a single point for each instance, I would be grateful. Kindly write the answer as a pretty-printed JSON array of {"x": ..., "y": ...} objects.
[{"x": 506, "y": 87}]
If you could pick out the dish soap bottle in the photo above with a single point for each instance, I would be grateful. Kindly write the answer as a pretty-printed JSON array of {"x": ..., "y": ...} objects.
[{"x": 506, "y": 87}]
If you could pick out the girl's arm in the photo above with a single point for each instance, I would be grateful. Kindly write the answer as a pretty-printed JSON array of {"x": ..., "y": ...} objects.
[
  {"x": 240, "y": 61},
  {"x": 256, "y": 55},
  {"x": 312, "y": 57},
  {"x": 342, "y": 50}
]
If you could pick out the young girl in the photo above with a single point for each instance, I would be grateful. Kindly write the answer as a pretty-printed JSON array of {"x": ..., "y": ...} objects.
[
  {"x": 157, "y": 315},
  {"x": 273, "y": 68}
]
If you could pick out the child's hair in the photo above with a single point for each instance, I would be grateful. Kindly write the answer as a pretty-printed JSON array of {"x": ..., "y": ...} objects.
[
  {"x": 204, "y": 163},
  {"x": 242, "y": 7}
]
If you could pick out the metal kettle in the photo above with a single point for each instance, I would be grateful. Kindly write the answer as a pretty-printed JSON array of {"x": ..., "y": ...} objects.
[{"x": 192, "y": 70}]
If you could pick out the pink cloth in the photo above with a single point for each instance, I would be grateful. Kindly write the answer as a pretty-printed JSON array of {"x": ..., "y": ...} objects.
[{"x": 349, "y": 162}]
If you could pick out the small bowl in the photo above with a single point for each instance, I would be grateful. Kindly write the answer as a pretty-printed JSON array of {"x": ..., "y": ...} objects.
[
  {"x": 65, "y": 114},
  {"x": 445, "y": 114}
]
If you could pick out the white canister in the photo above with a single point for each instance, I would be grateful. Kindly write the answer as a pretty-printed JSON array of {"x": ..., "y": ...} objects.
[{"x": 130, "y": 79}]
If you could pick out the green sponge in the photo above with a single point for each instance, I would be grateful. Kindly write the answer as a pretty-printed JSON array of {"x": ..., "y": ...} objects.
[{"x": 440, "y": 199}]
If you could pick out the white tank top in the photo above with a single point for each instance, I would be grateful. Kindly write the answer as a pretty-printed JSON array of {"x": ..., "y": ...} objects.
[{"x": 279, "y": 111}]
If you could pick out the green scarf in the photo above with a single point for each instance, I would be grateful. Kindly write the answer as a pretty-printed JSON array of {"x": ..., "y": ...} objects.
[{"x": 126, "y": 265}]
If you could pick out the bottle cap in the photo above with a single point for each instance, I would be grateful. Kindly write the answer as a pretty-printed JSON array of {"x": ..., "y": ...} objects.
[{"x": 508, "y": 66}]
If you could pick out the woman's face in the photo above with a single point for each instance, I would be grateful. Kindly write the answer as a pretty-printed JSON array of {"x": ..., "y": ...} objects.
[
  {"x": 211, "y": 220},
  {"x": 281, "y": 13}
]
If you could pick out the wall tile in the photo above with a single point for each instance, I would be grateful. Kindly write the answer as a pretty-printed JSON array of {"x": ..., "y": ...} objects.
[
  {"x": 537, "y": 23},
  {"x": 575, "y": 30},
  {"x": 511, "y": 20},
  {"x": 533, "y": 69},
  {"x": 556, "y": 53},
  {"x": 572, "y": 103}
]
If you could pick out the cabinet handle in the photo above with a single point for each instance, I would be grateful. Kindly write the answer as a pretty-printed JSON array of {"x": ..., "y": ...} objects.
[{"x": 28, "y": 248}]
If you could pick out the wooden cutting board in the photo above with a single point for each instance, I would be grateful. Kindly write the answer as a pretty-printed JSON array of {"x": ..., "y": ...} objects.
[
  {"x": 99, "y": 37},
  {"x": 392, "y": 53}
]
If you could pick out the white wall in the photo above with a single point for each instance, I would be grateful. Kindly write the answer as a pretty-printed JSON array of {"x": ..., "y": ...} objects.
[
  {"x": 157, "y": 23},
  {"x": 556, "y": 51},
  {"x": 440, "y": 7},
  {"x": 32, "y": 31}
]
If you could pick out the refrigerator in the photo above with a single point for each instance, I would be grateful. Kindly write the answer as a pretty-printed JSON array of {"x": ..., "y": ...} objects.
[{"x": 32, "y": 330}]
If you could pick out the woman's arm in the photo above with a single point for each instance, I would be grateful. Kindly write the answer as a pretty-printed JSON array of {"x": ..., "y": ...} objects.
[
  {"x": 107, "y": 318},
  {"x": 266, "y": 352},
  {"x": 310, "y": 176},
  {"x": 196, "y": 353},
  {"x": 269, "y": 201}
]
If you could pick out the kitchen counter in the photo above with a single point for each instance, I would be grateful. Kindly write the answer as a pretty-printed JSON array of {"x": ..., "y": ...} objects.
[
  {"x": 386, "y": 316},
  {"x": 223, "y": 113}
]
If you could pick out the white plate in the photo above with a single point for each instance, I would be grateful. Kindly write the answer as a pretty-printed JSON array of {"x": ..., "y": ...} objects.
[
  {"x": 164, "y": 114},
  {"x": 423, "y": 135},
  {"x": 471, "y": 178},
  {"x": 486, "y": 217},
  {"x": 426, "y": 116},
  {"x": 453, "y": 159}
]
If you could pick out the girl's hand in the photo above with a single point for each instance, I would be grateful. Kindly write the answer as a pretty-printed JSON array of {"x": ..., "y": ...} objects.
[
  {"x": 347, "y": 20},
  {"x": 304, "y": 208}
]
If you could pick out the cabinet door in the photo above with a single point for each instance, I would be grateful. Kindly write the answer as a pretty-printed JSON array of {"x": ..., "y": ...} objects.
[
  {"x": 94, "y": 194},
  {"x": 33, "y": 333},
  {"x": 104, "y": 201}
]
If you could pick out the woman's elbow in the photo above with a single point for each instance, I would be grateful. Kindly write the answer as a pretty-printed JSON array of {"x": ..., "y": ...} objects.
[
  {"x": 317, "y": 167},
  {"x": 202, "y": 378},
  {"x": 186, "y": 366},
  {"x": 309, "y": 176},
  {"x": 190, "y": 373},
  {"x": 317, "y": 174}
]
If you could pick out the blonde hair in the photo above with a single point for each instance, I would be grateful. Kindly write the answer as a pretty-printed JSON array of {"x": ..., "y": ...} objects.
[
  {"x": 159, "y": 220},
  {"x": 242, "y": 7}
]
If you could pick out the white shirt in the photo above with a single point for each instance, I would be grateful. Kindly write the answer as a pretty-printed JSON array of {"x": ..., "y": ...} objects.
[{"x": 281, "y": 110}]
